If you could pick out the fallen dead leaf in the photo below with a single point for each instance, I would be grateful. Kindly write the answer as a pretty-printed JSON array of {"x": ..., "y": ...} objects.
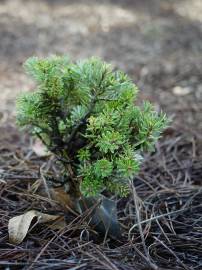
[
  {"x": 59, "y": 224},
  {"x": 18, "y": 226},
  {"x": 181, "y": 91},
  {"x": 40, "y": 149},
  {"x": 59, "y": 195}
]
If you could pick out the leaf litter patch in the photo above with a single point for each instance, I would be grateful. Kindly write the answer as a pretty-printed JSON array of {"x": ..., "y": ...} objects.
[{"x": 167, "y": 234}]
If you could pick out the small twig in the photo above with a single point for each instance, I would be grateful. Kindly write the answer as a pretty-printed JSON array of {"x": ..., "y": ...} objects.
[
  {"x": 45, "y": 247},
  {"x": 104, "y": 261},
  {"x": 144, "y": 257},
  {"x": 135, "y": 197},
  {"x": 19, "y": 177},
  {"x": 155, "y": 218},
  {"x": 81, "y": 123},
  {"x": 45, "y": 182},
  {"x": 172, "y": 252}
]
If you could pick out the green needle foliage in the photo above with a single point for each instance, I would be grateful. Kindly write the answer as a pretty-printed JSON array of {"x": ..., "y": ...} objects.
[{"x": 85, "y": 113}]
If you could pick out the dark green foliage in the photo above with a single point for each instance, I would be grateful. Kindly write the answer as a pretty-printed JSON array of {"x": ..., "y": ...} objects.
[{"x": 85, "y": 114}]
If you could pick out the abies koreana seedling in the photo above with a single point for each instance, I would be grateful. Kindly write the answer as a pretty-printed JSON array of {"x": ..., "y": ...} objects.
[{"x": 85, "y": 114}]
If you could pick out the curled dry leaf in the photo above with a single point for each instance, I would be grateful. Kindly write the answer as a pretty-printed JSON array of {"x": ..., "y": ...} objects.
[
  {"x": 59, "y": 224},
  {"x": 40, "y": 149},
  {"x": 63, "y": 198},
  {"x": 18, "y": 226}
]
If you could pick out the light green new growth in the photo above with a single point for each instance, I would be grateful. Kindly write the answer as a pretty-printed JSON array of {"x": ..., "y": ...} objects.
[{"x": 85, "y": 113}]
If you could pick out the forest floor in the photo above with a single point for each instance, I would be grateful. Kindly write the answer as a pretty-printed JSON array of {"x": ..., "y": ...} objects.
[{"x": 158, "y": 43}]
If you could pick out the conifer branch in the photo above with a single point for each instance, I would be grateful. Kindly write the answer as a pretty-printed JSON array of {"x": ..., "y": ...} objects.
[{"x": 85, "y": 114}]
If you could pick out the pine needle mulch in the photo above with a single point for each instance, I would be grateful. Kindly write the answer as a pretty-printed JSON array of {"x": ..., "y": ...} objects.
[{"x": 161, "y": 221}]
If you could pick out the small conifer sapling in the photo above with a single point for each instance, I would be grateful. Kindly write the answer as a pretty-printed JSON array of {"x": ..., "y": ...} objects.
[{"x": 85, "y": 114}]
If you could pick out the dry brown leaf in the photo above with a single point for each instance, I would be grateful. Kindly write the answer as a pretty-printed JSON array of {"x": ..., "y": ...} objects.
[
  {"x": 58, "y": 224},
  {"x": 63, "y": 198},
  {"x": 40, "y": 149},
  {"x": 18, "y": 226}
]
